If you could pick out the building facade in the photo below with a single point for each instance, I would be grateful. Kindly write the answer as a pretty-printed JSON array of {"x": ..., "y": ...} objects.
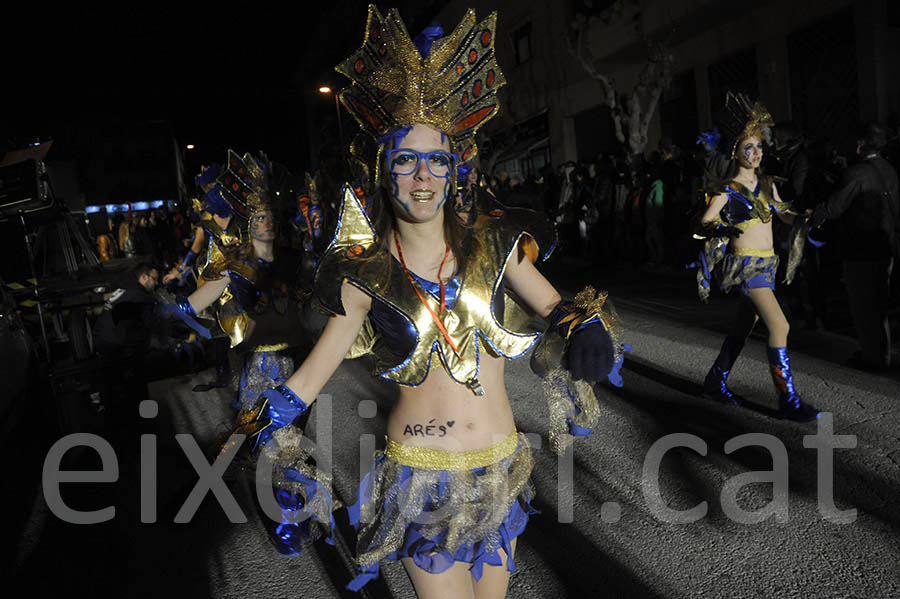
[{"x": 824, "y": 64}]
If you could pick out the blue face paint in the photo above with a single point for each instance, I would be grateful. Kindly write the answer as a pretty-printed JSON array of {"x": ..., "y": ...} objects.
[
  {"x": 748, "y": 150},
  {"x": 446, "y": 192},
  {"x": 395, "y": 194},
  {"x": 395, "y": 136}
]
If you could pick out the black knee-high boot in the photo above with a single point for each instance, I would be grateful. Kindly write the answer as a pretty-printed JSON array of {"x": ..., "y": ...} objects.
[
  {"x": 714, "y": 386},
  {"x": 790, "y": 405}
]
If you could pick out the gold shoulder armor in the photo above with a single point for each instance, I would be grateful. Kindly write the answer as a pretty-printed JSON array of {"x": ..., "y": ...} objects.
[{"x": 350, "y": 256}]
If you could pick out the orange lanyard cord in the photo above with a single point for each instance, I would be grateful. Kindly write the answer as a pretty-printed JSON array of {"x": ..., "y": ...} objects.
[{"x": 434, "y": 316}]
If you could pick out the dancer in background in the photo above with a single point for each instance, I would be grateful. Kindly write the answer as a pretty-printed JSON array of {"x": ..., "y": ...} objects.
[
  {"x": 250, "y": 284},
  {"x": 738, "y": 225}
]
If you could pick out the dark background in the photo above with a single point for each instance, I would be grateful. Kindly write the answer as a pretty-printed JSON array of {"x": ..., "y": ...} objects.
[{"x": 219, "y": 77}]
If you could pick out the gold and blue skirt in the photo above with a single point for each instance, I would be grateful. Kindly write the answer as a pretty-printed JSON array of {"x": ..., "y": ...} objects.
[
  {"x": 749, "y": 269},
  {"x": 441, "y": 507}
]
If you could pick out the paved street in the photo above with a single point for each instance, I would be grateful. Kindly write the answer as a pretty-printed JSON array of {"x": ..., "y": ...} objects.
[{"x": 619, "y": 544}]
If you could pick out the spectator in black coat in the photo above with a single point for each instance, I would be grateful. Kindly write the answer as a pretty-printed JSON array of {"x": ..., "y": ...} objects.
[
  {"x": 123, "y": 336},
  {"x": 866, "y": 206}
]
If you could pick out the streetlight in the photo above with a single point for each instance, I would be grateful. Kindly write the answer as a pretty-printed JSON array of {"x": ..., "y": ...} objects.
[
  {"x": 190, "y": 146},
  {"x": 324, "y": 90}
]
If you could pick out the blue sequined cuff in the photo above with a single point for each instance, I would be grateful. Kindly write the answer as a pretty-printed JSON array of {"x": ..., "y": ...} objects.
[
  {"x": 185, "y": 306},
  {"x": 284, "y": 405}
]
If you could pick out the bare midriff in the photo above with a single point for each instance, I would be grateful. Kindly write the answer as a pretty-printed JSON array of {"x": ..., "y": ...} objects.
[
  {"x": 443, "y": 414},
  {"x": 756, "y": 237}
]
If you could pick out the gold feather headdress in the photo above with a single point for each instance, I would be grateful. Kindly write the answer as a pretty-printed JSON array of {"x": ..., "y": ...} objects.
[
  {"x": 742, "y": 119},
  {"x": 452, "y": 88}
]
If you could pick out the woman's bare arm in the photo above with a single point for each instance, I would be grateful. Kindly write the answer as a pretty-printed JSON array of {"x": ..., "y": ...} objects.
[
  {"x": 527, "y": 281},
  {"x": 207, "y": 293},
  {"x": 339, "y": 334},
  {"x": 199, "y": 240},
  {"x": 714, "y": 208}
]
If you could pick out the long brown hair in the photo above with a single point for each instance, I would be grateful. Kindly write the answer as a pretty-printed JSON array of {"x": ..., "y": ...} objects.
[{"x": 458, "y": 233}]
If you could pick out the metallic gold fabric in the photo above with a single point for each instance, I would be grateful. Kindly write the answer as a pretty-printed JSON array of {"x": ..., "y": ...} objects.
[
  {"x": 736, "y": 270},
  {"x": 471, "y": 323},
  {"x": 588, "y": 305},
  {"x": 244, "y": 182},
  {"x": 796, "y": 247},
  {"x": 436, "y": 459},
  {"x": 235, "y": 323},
  {"x": 270, "y": 348},
  {"x": 286, "y": 454},
  {"x": 761, "y": 253},
  {"x": 468, "y": 506},
  {"x": 716, "y": 248},
  {"x": 228, "y": 237},
  {"x": 453, "y": 89},
  {"x": 563, "y": 394}
]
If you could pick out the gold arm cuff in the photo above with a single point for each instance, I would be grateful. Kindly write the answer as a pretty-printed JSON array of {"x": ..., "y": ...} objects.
[
  {"x": 427, "y": 458},
  {"x": 754, "y": 252}
]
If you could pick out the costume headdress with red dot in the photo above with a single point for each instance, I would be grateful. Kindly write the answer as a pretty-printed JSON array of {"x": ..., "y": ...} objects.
[
  {"x": 244, "y": 183},
  {"x": 450, "y": 84}
]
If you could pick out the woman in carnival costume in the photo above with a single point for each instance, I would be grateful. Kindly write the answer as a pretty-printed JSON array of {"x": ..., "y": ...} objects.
[
  {"x": 737, "y": 225},
  {"x": 437, "y": 299},
  {"x": 251, "y": 287},
  {"x": 247, "y": 282}
]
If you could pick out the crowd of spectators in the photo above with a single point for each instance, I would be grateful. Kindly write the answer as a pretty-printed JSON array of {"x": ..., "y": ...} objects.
[{"x": 155, "y": 235}]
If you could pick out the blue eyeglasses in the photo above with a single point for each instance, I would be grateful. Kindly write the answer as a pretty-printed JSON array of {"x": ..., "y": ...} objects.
[{"x": 405, "y": 162}]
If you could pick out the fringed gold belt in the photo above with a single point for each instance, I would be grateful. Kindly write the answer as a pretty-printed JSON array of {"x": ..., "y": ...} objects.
[
  {"x": 754, "y": 252},
  {"x": 427, "y": 458}
]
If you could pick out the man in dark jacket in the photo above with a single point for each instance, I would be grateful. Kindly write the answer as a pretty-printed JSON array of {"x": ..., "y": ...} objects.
[
  {"x": 125, "y": 328},
  {"x": 123, "y": 336},
  {"x": 867, "y": 208}
]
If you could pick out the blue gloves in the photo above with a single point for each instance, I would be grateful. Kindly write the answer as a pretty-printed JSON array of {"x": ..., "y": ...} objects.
[
  {"x": 183, "y": 311},
  {"x": 275, "y": 409}
]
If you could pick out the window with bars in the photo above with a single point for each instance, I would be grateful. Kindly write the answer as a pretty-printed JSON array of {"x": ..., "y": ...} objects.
[
  {"x": 735, "y": 73},
  {"x": 824, "y": 81},
  {"x": 678, "y": 111}
]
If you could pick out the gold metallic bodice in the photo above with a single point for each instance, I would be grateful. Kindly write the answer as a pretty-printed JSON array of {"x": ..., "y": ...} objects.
[
  {"x": 471, "y": 323},
  {"x": 761, "y": 208}
]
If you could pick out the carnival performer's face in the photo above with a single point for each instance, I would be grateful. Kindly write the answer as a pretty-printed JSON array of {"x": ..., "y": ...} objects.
[
  {"x": 750, "y": 152},
  {"x": 419, "y": 196},
  {"x": 262, "y": 226}
]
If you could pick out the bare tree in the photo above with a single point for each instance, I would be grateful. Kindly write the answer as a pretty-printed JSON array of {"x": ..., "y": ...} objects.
[{"x": 632, "y": 112}]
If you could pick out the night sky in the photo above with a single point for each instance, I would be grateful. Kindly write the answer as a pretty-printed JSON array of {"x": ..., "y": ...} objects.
[{"x": 245, "y": 79}]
